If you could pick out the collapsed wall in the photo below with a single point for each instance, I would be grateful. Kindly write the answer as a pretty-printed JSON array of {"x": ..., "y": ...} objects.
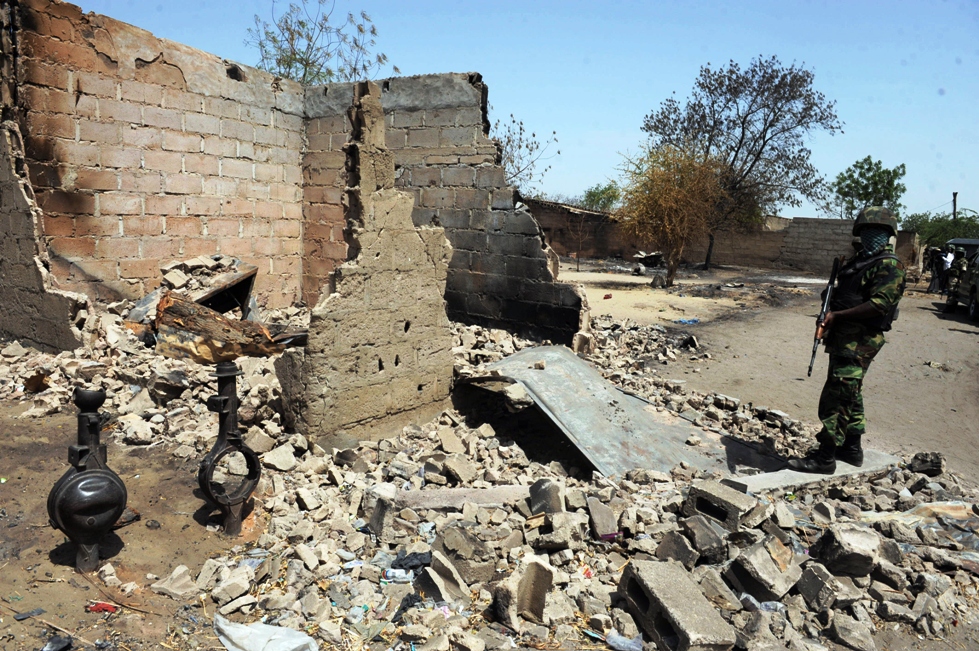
[
  {"x": 502, "y": 272},
  {"x": 142, "y": 150},
  {"x": 379, "y": 353},
  {"x": 31, "y": 310}
]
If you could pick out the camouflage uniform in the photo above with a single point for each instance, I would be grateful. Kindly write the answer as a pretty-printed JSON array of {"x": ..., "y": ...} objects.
[
  {"x": 852, "y": 345},
  {"x": 956, "y": 272}
]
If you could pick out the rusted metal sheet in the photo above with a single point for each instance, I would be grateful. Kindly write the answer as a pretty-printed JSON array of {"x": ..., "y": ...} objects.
[{"x": 614, "y": 430}]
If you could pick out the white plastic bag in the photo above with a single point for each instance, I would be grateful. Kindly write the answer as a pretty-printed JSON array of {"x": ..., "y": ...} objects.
[{"x": 261, "y": 637}]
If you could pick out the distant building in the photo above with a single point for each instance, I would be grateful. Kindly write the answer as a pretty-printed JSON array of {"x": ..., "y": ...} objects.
[{"x": 573, "y": 231}]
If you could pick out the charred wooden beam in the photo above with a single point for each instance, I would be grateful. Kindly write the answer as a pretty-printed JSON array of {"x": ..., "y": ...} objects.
[{"x": 188, "y": 330}]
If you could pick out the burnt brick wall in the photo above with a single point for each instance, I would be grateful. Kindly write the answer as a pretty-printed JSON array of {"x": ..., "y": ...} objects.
[
  {"x": 30, "y": 310},
  {"x": 324, "y": 179},
  {"x": 142, "y": 150},
  {"x": 501, "y": 273}
]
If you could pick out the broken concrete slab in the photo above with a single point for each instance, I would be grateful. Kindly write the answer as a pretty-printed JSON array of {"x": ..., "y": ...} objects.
[
  {"x": 672, "y": 610},
  {"x": 616, "y": 431},
  {"x": 452, "y": 499},
  {"x": 786, "y": 480}
]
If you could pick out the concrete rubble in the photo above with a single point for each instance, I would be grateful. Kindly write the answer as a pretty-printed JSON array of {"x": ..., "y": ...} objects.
[{"x": 451, "y": 536}]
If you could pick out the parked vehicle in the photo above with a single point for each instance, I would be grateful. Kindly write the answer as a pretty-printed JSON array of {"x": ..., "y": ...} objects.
[{"x": 966, "y": 289}]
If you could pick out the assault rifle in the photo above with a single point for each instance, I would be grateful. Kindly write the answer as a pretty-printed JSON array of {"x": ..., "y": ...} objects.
[{"x": 827, "y": 297}]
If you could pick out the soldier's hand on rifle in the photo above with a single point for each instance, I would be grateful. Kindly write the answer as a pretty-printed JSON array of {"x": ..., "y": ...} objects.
[{"x": 822, "y": 327}]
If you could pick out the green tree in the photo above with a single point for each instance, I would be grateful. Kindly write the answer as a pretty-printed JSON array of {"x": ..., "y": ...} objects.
[
  {"x": 868, "y": 183},
  {"x": 521, "y": 153},
  {"x": 303, "y": 45},
  {"x": 602, "y": 197},
  {"x": 755, "y": 122},
  {"x": 669, "y": 197},
  {"x": 936, "y": 229}
]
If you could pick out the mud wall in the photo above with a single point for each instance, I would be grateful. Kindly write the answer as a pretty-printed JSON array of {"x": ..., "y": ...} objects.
[
  {"x": 379, "y": 353},
  {"x": 142, "y": 150},
  {"x": 502, "y": 273}
]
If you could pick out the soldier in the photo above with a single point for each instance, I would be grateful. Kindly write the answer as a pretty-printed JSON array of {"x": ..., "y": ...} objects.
[
  {"x": 936, "y": 265},
  {"x": 956, "y": 273},
  {"x": 863, "y": 307}
]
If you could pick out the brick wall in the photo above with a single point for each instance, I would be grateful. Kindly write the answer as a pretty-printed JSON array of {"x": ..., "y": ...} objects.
[
  {"x": 502, "y": 273},
  {"x": 325, "y": 177},
  {"x": 753, "y": 249},
  {"x": 143, "y": 150},
  {"x": 811, "y": 244},
  {"x": 568, "y": 229}
]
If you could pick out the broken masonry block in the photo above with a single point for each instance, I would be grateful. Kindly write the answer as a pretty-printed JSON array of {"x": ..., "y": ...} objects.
[
  {"x": 704, "y": 538},
  {"x": 766, "y": 570},
  {"x": 602, "y": 519},
  {"x": 928, "y": 463},
  {"x": 523, "y": 594},
  {"x": 851, "y": 633},
  {"x": 546, "y": 496},
  {"x": 818, "y": 587},
  {"x": 717, "y": 591},
  {"x": 848, "y": 549},
  {"x": 676, "y": 547},
  {"x": 717, "y": 502},
  {"x": 672, "y": 610}
]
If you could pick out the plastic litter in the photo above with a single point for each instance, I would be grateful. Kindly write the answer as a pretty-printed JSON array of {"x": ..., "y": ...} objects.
[
  {"x": 622, "y": 643},
  {"x": 261, "y": 637},
  {"x": 398, "y": 576},
  {"x": 687, "y": 321}
]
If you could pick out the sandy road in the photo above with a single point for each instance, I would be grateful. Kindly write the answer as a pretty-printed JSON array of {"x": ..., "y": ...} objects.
[{"x": 760, "y": 354}]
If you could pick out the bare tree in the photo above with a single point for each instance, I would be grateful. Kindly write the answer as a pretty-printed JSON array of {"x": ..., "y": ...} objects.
[
  {"x": 521, "y": 153},
  {"x": 754, "y": 122},
  {"x": 303, "y": 45}
]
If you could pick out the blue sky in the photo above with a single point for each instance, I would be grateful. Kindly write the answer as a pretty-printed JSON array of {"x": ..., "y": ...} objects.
[{"x": 905, "y": 75}]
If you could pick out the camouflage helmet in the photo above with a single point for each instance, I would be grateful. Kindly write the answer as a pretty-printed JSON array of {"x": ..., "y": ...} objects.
[
  {"x": 960, "y": 249},
  {"x": 875, "y": 216}
]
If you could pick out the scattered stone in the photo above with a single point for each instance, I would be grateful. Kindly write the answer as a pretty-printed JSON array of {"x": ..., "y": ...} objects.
[{"x": 178, "y": 585}]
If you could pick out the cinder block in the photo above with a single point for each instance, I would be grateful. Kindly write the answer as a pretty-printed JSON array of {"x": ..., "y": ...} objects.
[
  {"x": 672, "y": 610},
  {"x": 719, "y": 503}
]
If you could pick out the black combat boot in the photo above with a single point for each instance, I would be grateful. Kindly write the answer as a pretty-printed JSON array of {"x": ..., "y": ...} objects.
[
  {"x": 851, "y": 451},
  {"x": 821, "y": 461}
]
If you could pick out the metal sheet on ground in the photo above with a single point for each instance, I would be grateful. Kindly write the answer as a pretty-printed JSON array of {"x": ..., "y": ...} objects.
[{"x": 614, "y": 430}]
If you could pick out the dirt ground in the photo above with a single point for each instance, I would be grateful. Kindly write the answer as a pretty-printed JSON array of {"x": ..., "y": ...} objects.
[
  {"x": 921, "y": 391},
  {"x": 37, "y": 564}
]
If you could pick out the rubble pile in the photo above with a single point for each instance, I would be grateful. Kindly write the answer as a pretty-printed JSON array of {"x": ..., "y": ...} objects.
[
  {"x": 449, "y": 537},
  {"x": 632, "y": 355}
]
